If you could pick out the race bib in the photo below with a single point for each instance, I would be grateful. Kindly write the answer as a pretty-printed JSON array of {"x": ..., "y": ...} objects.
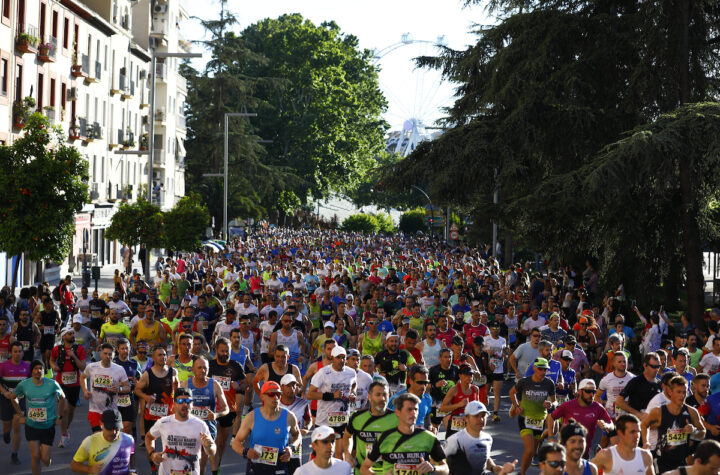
[
  {"x": 268, "y": 455},
  {"x": 561, "y": 398},
  {"x": 336, "y": 419},
  {"x": 102, "y": 381},
  {"x": 481, "y": 380},
  {"x": 223, "y": 381},
  {"x": 458, "y": 423},
  {"x": 497, "y": 363},
  {"x": 405, "y": 469},
  {"x": 534, "y": 424},
  {"x": 37, "y": 414},
  {"x": 676, "y": 437},
  {"x": 618, "y": 411},
  {"x": 296, "y": 452},
  {"x": 439, "y": 413},
  {"x": 124, "y": 400},
  {"x": 48, "y": 330},
  {"x": 68, "y": 378},
  {"x": 26, "y": 345},
  {"x": 201, "y": 412},
  {"x": 158, "y": 410}
]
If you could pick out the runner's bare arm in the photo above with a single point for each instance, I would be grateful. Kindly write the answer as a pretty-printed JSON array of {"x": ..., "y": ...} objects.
[{"x": 222, "y": 403}]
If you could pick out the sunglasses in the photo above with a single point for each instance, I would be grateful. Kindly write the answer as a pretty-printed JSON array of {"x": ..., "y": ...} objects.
[
  {"x": 423, "y": 382},
  {"x": 183, "y": 400},
  {"x": 142, "y": 352},
  {"x": 326, "y": 441},
  {"x": 654, "y": 366},
  {"x": 541, "y": 369},
  {"x": 555, "y": 463},
  {"x": 589, "y": 391},
  {"x": 275, "y": 395}
]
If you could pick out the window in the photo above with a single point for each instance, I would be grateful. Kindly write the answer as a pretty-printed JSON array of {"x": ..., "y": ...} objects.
[
  {"x": 41, "y": 78},
  {"x": 52, "y": 92},
  {"x": 63, "y": 95},
  {"x": 42, "y": 21},
  {"x": 21, "y": 15},
  {"x": 104, "y": 115},
  {"x": 4, "y": 77},
  {"x": 105, "y": 61},
  {"x": 94, "y": 169},
  {"x": 18, "y": 82},
  {"x": 55, "y": 24},
  {"x": 66, "y": 32},
  {"x": 6, "y": 9}
]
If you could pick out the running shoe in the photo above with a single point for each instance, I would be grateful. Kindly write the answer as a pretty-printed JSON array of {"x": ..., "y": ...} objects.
[
  {"x": 14, "y": 458},
  {"x": 64, "y": 441},
  {"x": 496, "y": 418},
  {"x": 6, "y": 437}
]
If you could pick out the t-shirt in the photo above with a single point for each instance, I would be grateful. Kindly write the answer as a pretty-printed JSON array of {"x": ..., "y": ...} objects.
[
  {"x": 337, "y": 467},
  {"x": 424, "y": 408},
  {"x": 40, "y": 401},
  {"x": 613, "y": 386},
  {"x": 363, "y": 382},
  {"x": 710, "y": 363},
  {"x": 86, "y": 338},
  {"x": 468, "y": 454},
  {"x": 112, "y": 332},
  {"x": 639, "y": 391},
  {"x": 100, "y": 379},
  {"x": 494, "y": 347},
  {"x": 585, "y": 416},
  {"x": 333, "y": 413},
  {"x": 366, "y": 429},
  {"x": 398, "y": 451},
  {"x": 114, "y": 456},
  {"x": 552, "y": 373},
  {"x": 532, "y": 396},
  {"x": 11, "y": 374},
  {"x": 525, "y": 355},
  {"x": 267, "y": 329},
  {"x": 181, "y": 443}
]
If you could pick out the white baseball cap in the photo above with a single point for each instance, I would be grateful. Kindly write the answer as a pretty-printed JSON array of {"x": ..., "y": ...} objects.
[
  {"x": 329, "y": 324},
  {"x": 567, "y": 354},
  {"x": 322, "y": 433},
  {"x": 587, "y": 383},
  {"x": 474, "y": 408},
  {"x": 288, "y": 379},
  {"x": 338, "y": 350},
  {"x": 77, "y": 318}
]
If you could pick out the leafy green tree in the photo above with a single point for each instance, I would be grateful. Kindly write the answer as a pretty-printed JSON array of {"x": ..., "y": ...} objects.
[
  {"x": 360, "y": 222},
  {"x": 413, "y": 221},
  {"x": 136, "y": 223},
  {"x": 43, "y": 185},
  {"x": 384, "y": 223},
  {"x": 225, "y": 86},
  {"x": 323, "y": 115},
  {"x": 185, "y": 223}
]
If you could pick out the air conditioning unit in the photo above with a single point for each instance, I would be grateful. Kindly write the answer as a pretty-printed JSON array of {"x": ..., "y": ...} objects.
[
  {"x": 143, "y": 74},
  {"x": 157, "y": 176},
  {"x": 72, "y": 94},
  {"x": 160, "y": 8}
]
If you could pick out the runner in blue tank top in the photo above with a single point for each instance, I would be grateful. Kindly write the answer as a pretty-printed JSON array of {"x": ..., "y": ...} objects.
[{"x": 268, "y": 434}]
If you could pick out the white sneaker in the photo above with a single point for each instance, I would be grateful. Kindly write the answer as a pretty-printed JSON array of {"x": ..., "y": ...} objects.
[{"x": 64, "y": 440}]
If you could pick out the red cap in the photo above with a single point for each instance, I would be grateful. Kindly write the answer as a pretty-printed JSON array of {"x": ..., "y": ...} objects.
[
  {"x": 270, "y": 387},
  {"x": 313, "y": 297}
]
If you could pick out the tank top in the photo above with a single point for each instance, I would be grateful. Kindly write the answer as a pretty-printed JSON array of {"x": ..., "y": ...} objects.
[
  {"x": 586, "y": 467},
  {"x": 291, "y": 342},
  {"x": 248, "y": 343},
  {"x": 26, "y": 336},
  {"x": 298, "y": 408},
  {"x": 473, "y": 396},
  {"x": 150, "y": 334},
  {"x": 431, "y": 354},
  {"x": 47, "y": 319},
  {"x": 273, "y": 376},
  {"x": 5, "y": 348},
  {"x": 203, "y": 400},
  {"x": 672, "y": 445},
  {"x": 162, "y": 389},
  {"x": 239, "y": 356},
  {"x": 267, "y": 433},
  {"x": 314, "y": 402},
  {"x": 620, "y": 466},
  {"x": 372, "y": 346},
  {"x": 184, "y": 370}
]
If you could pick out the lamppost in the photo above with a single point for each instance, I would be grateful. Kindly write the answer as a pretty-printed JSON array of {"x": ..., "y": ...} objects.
[
  {"x": 432, "y": 210},
  {"x": 226, "y": 236}
]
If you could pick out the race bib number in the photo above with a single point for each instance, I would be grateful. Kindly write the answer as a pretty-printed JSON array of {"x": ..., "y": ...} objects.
[
  {"x": 268, "y": 455},
  {"x": 561, "y": 398},
  {"x": 458, "y": 423},
  {"x": 395, "y": 388},
  {"x": 439, "y": 413},
  {"x": 48, "y": 330},
  {"x": 26, "y": 345},
  {"x": 68, "y": 378},
  {"x": 37, "y": 414},
  {"x": 404, "y": 469},
  {"x": 618, "y": 411},
  {"x": 336, "y": 419},
  {"x": 497, "y": 363},
  {"x": 158, "y": 410},
  {"x": 96, "y": 314},
  {"x": 102, "y": 381},
  {"x": 296, "y": 452},
  {"x": 112, "y": 340},
  {"x": 124, "y": 400},
  {"x": 481, "y": 380},
  {"x": 676, "y": 437},
  {"x": 534, "y": 424},
  {"x": 200, "y": 412},
  {"x": 223, "y": 381}
]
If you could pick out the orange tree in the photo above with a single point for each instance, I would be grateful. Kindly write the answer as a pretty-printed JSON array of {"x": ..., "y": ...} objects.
[{"x": 42, "y": 186}]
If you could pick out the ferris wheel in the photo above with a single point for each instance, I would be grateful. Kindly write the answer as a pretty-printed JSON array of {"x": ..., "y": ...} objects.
[{"x": 415, "y": 102}]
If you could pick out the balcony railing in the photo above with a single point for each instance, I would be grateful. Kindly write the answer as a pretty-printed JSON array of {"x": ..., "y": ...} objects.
[
  {"x": 181, "y": 121},
  {"x": 98, "y": 70},
  {"x": 160, "y": 115},
  {"x": 122, "y": 82},
  {"x": 160, "y": 72},
  {"x": 50, "y": 114},
  {"x": 95, "y": 191},
  {"x": 85, "y": 65},
  {"x": 159, "y": 27},
  {"x": 83, "y": 126},
  {"x": 120, "y": 136},
  {"x": 47, "y": 50},
  {"x": 26, "y": 39}
]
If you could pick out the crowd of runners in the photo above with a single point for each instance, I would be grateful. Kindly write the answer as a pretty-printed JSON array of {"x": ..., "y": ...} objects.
[{"x": 385, "y": 350}]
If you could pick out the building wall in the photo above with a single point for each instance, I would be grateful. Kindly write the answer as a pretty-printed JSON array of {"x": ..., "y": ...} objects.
[{"x": 108, "y": 103}]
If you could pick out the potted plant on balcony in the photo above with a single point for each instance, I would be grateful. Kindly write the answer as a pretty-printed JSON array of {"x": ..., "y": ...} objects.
[
  {"x": 74, "y": 131},
  {"x": 26, "y": 42},
  {"x": 76, "y": 67},
  {"x": 144, "y": 141},
  {"x": 21, "y": 111},
  {"x": 129, "y": 140},
  {"x": 50, "y": 113},
  {"x": 45, "y": 50}
]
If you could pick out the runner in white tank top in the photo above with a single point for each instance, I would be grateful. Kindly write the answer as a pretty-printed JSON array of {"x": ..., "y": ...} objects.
[
  {"x": 620, "y": 466},
  {"x": 291, "y": 342},
  {"x": 625, "y": 458},
  {"x": 431, "y": 353}
]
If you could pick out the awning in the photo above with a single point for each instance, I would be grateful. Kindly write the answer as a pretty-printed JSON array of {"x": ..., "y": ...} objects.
[
  {"x": 213, "y": 245},
  {"x": 181, "y": 147}
]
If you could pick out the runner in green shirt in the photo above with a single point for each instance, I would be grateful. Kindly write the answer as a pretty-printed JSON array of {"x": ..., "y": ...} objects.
[
  {"x": 531, "y": 399},
  {"x": 41, "y": 416},
  {"x": 366, "y": 426},
  {"x": 406, "y": 450}
]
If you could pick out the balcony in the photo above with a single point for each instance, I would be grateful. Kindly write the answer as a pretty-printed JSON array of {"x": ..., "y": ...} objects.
[
  {"x": 47, "y": 49},
  {"x": 161, "y": 72},
  {"x": 181, "y": 122},
  {"x": 82, "y": 127},
  {"x": 125, "y": 22},
  {"x": 181, "y": 84},
  {"x": 160, "y": 115},
  {"x": 85, "y": 65},
  {"x": 94, "y": 191},
  {"x": 50, "y": 113},
  {"x": 158, "y": 198},
  {"x": 129, "y": 141},
  {"x": 97, "y": 73},
  {"x": 27, "y": 39},
  {"x": 159, "y": 28}
]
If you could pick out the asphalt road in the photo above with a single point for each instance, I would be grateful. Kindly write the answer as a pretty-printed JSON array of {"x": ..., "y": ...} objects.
[{"x": 507, "y": 447}]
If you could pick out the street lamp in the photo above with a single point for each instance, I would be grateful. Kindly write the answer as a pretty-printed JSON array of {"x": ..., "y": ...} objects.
[
  {"x": 225, "y": 160},
  {"x": 432, "y": 211}
]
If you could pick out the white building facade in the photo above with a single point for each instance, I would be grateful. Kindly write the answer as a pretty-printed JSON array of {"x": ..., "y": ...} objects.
[{"x": 87, "y": 66}]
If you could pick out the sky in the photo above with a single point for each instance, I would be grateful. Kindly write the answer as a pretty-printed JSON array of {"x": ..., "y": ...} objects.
[{"x": 411, "y": 93}]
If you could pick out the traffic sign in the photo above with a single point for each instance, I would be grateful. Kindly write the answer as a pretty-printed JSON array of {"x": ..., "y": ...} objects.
[
  {"x": 453, "y": 227},
  {"x": 454, "y": 235}
]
